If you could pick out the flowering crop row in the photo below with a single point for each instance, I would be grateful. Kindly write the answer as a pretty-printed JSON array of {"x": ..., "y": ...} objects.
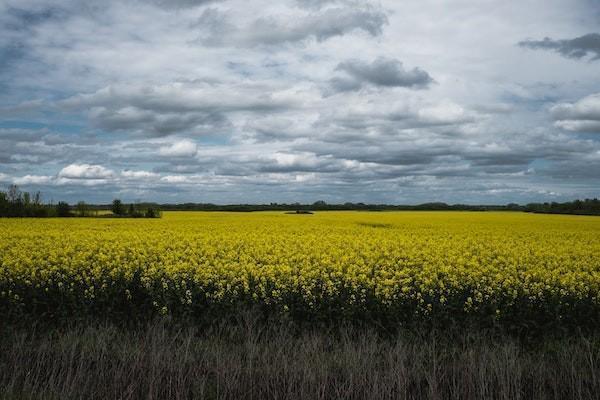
[{"x": 507, "y": 268}]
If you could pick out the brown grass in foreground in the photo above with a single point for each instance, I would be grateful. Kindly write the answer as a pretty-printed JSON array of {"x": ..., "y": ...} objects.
[{"x": 251, "y": 361}]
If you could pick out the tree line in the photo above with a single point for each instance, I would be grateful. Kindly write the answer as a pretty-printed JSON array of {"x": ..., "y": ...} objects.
[
  {"x": 16, "y": 203},
  {"x": 579, "y": 207},
  {"x": 134, "y": 211},
  {"x": 582, "y": 207}
]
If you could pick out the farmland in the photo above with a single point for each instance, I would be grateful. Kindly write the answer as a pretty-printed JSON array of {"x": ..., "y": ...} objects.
[
  {"x": 513, "y": 270},
  {"x": 380, "y": 305}
]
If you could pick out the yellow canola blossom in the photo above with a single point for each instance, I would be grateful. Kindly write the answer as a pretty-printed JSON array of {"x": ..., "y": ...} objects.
[{"x": 396, "y": 266}]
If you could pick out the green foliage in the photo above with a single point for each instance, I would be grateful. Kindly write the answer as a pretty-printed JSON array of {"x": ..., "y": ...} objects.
[
  {"x": 583, "y": 207},
  {"x": 63, "y": 209},
  {"x": 117, "y": 207},
  {"x": 152, "y": 213},
  {"x": 15, "y": 203},
  {"x": 82, "y": 209}
]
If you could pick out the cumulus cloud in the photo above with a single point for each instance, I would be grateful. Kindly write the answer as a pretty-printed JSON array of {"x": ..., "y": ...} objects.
[
  {"x": 182, "y": 148},
  {"x": 580, "y": 116},
  {"x": 382, "y": 72},
  {"x": 277, "y": 30},
  {"x": 445, "y": 113},
  {"x": 85, "y": 171},
  {"x": 129, "y": 174},
  {"x": 176, "y": 179},
  {"x": 577, "y": 48},
  {"x": 33, "y": 180}
]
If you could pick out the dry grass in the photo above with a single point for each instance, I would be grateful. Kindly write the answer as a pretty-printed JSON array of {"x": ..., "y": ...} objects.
[{"x": 252, "y": 361}]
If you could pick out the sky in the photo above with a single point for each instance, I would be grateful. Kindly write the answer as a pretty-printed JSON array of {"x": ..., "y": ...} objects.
[{"x": 238, "y": 101}]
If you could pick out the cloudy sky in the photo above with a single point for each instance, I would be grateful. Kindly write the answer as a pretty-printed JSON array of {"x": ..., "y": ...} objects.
[{"x": 231, "y": 101}]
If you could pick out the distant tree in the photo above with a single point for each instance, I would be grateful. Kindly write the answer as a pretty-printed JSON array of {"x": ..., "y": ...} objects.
[
  {"x": 513, "y": 206},
  {"x": 587, "y": 206},
  {"x": 3, "y": 205},
  {"x": 81, "y": 209},
  {"x": 150, "y": 213},
  {"x": 13, "y": 194},
  {"x": 37, "y": 207},
  {"x": 63, "y": 209},
  {"x": 16, "y": 207},
  {"x": 37, "y": 199},
  {"x": 117, "y": 207},
  {"x": 131, "y": 211}
]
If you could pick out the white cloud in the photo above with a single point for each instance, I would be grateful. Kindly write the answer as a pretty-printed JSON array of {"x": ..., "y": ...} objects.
[
  {"x": 139, "y": 174},
  {"x": 85, "y": 171},
  {"x": 175, "y": 179},
  {"x": 444, "y": 113},
  {"x": 33, "y": 180},
  {"x": 182, "y": 148},
  {"x": 579, "y": 125},
  {"x": 580, "y": 116}
]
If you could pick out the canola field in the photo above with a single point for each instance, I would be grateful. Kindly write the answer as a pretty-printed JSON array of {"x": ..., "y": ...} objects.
[{"x": 511, "y": 269}]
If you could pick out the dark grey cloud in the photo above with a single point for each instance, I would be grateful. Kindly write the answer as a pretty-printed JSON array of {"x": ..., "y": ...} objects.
[
  {"x": 25, "y": 147},
  {"x": 10, "y": 54},
  {"x": 180, "y": 97},
  {"x": 371, "y": 121},
  {"x": 17, "y": 25},
  {"x": 316, "y": 4},
  {"x": 182, "y": 4},
  {"x": 343, "y": 84},
  {"x": 155, "y": 111},
  {"x": 145, "y": 122},
  {"x": 577, "y": 48},
  {"x": 575, "y": 170},
  {"x": 24, "y": 18},
  {"x": 275, "y": 30},
  {"x": 382, "y": 72},
  {"x": 431, "y": 155},
  {"x": 376, "y": 122}
]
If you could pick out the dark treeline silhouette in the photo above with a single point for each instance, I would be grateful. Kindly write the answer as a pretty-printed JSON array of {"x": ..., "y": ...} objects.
[
  {"x": 17, "y": 204},
  {"x": 14, "y": 203},
  {"x": 134, "y": 210},
  {"x": 580, "y": 207},
  {"x": 323, "y": 206}
]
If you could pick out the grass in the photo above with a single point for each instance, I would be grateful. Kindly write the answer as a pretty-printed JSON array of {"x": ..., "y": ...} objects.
[{"x": 248, "y": 360}]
